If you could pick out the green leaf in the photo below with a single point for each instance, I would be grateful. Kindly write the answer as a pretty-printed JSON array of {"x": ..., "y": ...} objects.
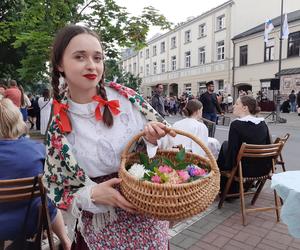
[
  {"x": 153, "y": 164},
  {"x": 180, "y": 155},
  {"x": 144, "y": 160},
  {"x": 168, "y": 162},
  {"x": 182, "y": 165}
]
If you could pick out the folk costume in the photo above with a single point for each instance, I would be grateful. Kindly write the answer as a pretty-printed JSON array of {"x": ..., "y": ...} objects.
[{"x": 82, "y": 151}]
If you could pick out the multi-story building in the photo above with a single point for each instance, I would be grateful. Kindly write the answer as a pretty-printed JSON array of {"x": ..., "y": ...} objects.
[
  {"x": 200, "y": 49},
  {"x": 257, "y": 62}
]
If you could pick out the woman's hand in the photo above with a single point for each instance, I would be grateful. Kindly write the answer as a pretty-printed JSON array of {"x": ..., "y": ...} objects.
[
  {"x": 105, "y": 194},
  {"x": 154, "y": 131}
]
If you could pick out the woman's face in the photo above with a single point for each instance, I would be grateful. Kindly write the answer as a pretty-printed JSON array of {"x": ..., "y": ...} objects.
[
  {"x": 82, "y": 63},
  {"x": 239, "y": 109}
]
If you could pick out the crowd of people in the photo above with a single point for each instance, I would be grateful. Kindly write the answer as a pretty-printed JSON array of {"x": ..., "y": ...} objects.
[
  {"x": 91, "y": 124},
  {"x": 35, "y": 109}
]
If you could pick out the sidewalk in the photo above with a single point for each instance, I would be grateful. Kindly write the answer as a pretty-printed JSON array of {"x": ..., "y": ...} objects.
[{"x": 223, "y": 229}]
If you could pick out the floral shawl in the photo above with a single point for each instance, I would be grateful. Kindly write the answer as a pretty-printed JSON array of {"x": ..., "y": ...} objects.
[{"x": 63, "y": 176}]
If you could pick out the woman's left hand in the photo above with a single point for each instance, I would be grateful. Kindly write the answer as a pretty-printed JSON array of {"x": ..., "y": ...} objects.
[{"x": 154, "y": 131}]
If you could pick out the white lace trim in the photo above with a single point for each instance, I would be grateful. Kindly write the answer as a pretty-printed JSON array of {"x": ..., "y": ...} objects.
[
  {"x": 250, "y": 118},
  {"x": 99, "y": 221}
]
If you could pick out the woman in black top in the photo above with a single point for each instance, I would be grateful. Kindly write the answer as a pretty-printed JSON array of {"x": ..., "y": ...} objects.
[{"x": 249, "y": 129}]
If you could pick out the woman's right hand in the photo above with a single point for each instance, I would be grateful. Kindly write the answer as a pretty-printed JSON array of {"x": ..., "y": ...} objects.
[{"x": 105, "y": 194}]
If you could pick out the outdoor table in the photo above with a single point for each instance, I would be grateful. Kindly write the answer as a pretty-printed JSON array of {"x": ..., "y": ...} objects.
[{"x": 287, "y": 185}]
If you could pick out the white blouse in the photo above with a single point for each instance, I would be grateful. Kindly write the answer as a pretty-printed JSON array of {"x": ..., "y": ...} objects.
[
  {"x": 194, "y": 127},
  {"x": 98, "y": 148}
]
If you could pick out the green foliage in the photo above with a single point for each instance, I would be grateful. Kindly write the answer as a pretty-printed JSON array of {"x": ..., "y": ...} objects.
[
  {"x": 27, "y": 28},
  {"x": 113, "y": 71}
]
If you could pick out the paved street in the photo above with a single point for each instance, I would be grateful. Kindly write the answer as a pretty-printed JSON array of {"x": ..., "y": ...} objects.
[{"x": 223, "y": 229}]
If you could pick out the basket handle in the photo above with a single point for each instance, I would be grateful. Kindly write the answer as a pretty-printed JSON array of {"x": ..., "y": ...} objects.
[{"x": 178, "y": 132}]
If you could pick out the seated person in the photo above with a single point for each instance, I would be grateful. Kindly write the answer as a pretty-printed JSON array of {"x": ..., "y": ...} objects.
[
  {"x": 191, "y": 124},
  {"x": 21, "y": 158},
  {"x": 285, "y": 106},
  {"x": 247, "y": 128}
]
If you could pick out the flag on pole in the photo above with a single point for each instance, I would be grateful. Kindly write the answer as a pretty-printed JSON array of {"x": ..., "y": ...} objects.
[
  {"x": 268, "y": 28},
  {"x": 285, "y": 28}
]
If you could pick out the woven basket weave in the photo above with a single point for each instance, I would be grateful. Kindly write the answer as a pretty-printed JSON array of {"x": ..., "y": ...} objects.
[{"x": 170, "y": 201}]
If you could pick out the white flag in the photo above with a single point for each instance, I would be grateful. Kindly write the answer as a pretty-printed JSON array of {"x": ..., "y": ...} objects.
[
  {"x": 268, "y": 28},
  {"x": 285, "y": 28}
]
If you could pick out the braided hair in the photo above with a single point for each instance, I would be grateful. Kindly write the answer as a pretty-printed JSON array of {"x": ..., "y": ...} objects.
[{"x": 61, "y": 41}]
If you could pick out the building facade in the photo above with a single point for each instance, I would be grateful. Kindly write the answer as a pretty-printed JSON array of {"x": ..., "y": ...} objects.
[
  {"x": 198, "y": 50},
  {"x": 257, "y": 62}
]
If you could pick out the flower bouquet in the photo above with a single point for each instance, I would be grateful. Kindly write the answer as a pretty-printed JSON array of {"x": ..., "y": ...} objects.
[
  {"x": 161, "y": 170},
  {"x": 174, "y": 185}
]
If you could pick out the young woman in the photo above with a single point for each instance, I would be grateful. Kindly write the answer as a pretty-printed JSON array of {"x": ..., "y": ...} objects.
[
  {"x": 91, "y": 126},
  {"x": 21, "y": 158},
  {"x": 191, "y": 124},
  {"x": 247, "y": 128}
]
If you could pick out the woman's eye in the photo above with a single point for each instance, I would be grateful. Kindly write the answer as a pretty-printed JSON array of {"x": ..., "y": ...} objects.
[
  {"x": 79, "y": 57},
  {"x": 98, "y": 58}
]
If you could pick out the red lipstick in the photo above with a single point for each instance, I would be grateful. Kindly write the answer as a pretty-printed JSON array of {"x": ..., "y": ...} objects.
[{"x": 90, "y": 76}]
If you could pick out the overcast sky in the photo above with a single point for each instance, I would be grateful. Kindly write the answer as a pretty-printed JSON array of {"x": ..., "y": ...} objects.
[{"x": 174, "y": 10}]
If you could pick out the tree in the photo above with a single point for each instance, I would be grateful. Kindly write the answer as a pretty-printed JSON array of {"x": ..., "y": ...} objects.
[
  {"x": 30, "y": 26},
  {"x": 114, "y": 73}
]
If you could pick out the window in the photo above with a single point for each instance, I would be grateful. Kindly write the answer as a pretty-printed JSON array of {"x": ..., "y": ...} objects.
[
  {"x": 141, "y": 69},
  {"x": 220, "y": 22},
  {"x": 201, "y": 87},
  {"x": 243, "y": 55},
  {"x": 134, "y": 68},
  {"x": 187, "y": 36},
  {"x": 220, "y": 50},
  {"x": 187, "y": 59},
  {"x": 154, "y": 68},
  {"x": 154, "y": 50},
  {"x": 147, "y": 69},
  {"x": 202, "y": 30},
  {"x": 294, "y": 44},
  {"x": 188, "y": 88},
  {"x": 220, "y": 84},
  {"x": 130, "y": 68},
  {"x": 173, "y": 42},
  {"x": 202, "y": 55},
  {"x": 269, "y": 50},
  {"x": 147, "y": 53},
  {"x": 162, "y": 47},
  {"x": 173, "y": 63},
  {"x": 163, "y": 65},
  {"x": 141, "y": 54}
]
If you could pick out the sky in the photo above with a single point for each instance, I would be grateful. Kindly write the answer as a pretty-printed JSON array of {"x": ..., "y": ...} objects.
[{"x": 174, "y": 10}]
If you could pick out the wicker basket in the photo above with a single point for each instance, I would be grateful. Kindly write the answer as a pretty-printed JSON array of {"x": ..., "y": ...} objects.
[{"x": 170, "y": 201}]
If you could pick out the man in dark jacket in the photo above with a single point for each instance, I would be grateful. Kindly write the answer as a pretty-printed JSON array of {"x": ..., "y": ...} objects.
[
  {"x": 210, "y": 103},
  {"x": 158, "y": 100}
]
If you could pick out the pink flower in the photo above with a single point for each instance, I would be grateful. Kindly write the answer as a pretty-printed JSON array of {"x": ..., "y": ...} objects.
[
  {"x": 53, "y": 178},
  {"x": 79, "y": 173},
  {"x": 199, "y": 172},
  {"x": 184, "y": 175},
  {"x": 155, "y": 179},
  {"x": 165, "y": 169},
  {"x": 56, "y": 142}
]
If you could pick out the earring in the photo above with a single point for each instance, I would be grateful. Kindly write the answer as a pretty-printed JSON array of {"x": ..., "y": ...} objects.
[{"x": 62, "y": 84}]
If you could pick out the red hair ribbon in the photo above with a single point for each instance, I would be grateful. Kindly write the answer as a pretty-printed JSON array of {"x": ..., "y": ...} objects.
[
  {"x": 113, "y": 106},
  {"x": 63, "y": 121}
]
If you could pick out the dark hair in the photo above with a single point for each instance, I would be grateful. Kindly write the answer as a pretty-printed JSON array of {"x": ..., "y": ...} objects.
[
  {"x": 22, "y": 95},
  {"x": 61, "y": 41},
  {"x": 157, "y": 85},
  {"x": 191, "y": 107},
  {"x": 13, "y": 83},
  {"x": 251, "y": 103},
  {"x": 46, "y": 94},
  {"x": 209, "y": 83}
]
